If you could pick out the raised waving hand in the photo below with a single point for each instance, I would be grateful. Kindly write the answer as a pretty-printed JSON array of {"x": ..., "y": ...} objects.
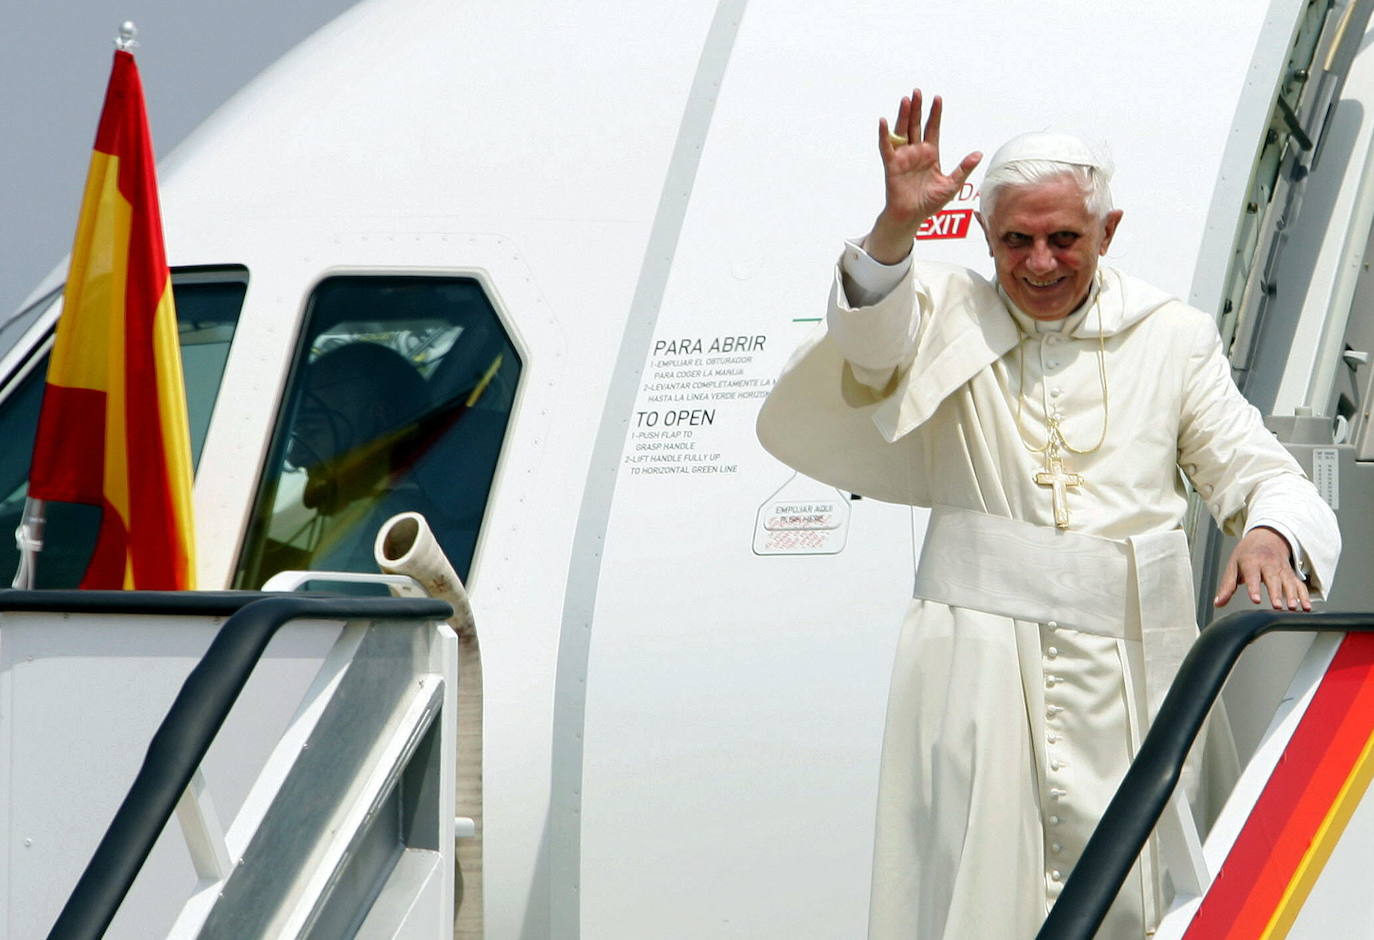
[{"x": 915, "y": 186}]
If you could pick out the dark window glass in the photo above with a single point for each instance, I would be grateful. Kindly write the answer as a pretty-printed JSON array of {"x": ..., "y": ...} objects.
[
  {"x": 208, "y": 304},
  {"x": 398, "y": 400}
]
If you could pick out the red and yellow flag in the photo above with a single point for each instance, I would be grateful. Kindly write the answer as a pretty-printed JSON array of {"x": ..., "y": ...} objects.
[{"x": 113, "y": 429}]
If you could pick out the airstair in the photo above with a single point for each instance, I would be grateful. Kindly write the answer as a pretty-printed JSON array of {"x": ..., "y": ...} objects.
[{"x": 322, "y": 728}]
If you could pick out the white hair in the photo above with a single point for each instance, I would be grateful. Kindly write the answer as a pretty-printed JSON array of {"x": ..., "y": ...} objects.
[{"x": 1092, "y": 181}]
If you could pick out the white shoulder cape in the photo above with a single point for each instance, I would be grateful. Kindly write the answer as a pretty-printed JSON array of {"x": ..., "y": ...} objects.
[{"x": 822, "y": 421}]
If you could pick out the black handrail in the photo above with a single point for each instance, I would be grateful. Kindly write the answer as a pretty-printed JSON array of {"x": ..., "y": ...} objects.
[
  {"x": 1145, "y": 790},
  {"x": 205, "y": 699},
  {"x": 161, "y": 603}
]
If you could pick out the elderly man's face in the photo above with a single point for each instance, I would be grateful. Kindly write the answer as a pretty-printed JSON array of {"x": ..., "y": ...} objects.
[{"x": 1045, "y": 245}]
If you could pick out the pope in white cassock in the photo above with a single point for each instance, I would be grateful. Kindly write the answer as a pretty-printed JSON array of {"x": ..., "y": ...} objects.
[{"x": 1044, "y": 418}]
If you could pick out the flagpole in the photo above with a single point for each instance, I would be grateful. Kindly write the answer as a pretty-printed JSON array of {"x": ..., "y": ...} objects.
[
  {"x": 127, "y": 37},
  {"x": 29, "y": 538}
]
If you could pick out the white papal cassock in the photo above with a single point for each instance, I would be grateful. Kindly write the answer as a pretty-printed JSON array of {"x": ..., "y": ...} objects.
[{"x": 1031, "y": 657}]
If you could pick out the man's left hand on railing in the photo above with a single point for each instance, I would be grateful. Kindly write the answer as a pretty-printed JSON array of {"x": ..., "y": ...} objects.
[{"x": 1263, "y": 557}]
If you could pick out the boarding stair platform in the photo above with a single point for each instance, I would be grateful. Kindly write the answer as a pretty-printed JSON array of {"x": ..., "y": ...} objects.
[{"x": 304, "y": 744}]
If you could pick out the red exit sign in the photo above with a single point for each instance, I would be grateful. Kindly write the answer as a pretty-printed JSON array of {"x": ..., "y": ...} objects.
[{"x": 952, "y": 223}]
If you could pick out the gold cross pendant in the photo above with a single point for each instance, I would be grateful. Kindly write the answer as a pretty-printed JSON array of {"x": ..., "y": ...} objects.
[{"x": 1055, "y": 477}]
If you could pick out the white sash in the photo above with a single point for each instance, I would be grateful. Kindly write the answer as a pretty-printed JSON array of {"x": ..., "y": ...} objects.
[{"x": 1137, "y": 590}]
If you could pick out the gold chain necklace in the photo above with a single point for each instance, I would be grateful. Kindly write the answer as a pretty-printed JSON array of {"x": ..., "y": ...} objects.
[{"x": 1054, "y": 475}]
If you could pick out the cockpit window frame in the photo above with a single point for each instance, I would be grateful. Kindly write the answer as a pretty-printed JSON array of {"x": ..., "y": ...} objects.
[{"x": 291, "y": 376}]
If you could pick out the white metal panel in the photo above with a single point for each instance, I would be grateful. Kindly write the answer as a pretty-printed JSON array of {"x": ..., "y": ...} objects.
[
  {"x": 80, "y": 697},
  {"x": 403, "y": 913},
  {"x": 543, "y": 129},
  {"x": 1340, "y": 903}
]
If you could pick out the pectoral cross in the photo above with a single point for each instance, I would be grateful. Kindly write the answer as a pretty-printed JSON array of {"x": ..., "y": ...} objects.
[{"x": 1055, "y": 477}]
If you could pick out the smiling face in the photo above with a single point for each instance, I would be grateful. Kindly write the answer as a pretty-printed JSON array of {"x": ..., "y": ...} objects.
[{"x": 1045, "y": 245}]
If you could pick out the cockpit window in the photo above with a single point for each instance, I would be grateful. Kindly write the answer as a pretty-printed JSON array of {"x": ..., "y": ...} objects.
[
  {"x": 398, "y": 400},
  {"x": 208, "y": 301}
]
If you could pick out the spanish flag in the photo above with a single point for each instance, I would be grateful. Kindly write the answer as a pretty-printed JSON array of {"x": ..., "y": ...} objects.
[{"x": 112, "y": 431}]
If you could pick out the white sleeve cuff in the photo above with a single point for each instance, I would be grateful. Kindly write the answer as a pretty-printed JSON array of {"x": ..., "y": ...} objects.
[
  {"x": 867, "y": 281},
  {"x": 1289, "y": 505},
  {"x": 879, "y": 337}
]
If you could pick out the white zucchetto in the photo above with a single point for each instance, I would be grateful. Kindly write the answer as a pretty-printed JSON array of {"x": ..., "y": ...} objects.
[{"x": 1052, "y": 146}]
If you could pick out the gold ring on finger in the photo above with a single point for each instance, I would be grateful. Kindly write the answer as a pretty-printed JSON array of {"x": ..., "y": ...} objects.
[{"x": 898, "y": 140}]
